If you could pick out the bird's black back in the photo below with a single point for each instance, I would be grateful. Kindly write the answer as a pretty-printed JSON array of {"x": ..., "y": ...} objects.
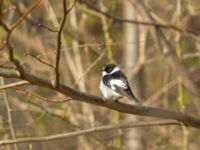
[{"x": 116, "y": 75}]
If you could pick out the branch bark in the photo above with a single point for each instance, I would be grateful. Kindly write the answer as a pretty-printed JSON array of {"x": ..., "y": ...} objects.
[{"x": 59, "y": 42}]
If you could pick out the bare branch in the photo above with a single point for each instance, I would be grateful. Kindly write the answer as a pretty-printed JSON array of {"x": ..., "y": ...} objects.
[
  {"x": 90, "y": 131},
  {"x": 15, "y": 84},
  {"x": 18, "y": 22},
  {"x": 48, "y": 28},
  {"x": 10, "y": 122},
  {"x": 190, "y": 55},
  {"x": 41, "y": 97},
  {"x": 102, "y": 44},
  {"x": 40, "y": 60},
  {"x": 9, "y": 32},
  {"x": 118, "y": 19},
  {"x": 3, "y": 45},
  {"x": 92, "y": 99},
  {"x": 90, "y": 67},
  {"x": 59, "y": 42}
]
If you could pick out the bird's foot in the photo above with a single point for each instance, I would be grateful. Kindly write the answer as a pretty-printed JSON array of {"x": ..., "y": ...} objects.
[
  {"x": 117, "y": 99},
  {"x": 105, "y": 99}
]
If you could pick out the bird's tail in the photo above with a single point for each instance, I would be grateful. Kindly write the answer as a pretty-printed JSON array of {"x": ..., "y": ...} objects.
[{"x": 131, "y": 96}]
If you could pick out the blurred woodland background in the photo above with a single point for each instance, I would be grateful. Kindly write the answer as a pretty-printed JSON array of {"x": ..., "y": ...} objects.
[{"x": 154, "y": 42}]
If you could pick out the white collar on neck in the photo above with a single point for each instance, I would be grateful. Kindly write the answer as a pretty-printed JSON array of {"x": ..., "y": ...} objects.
[{"x": 114, "y": 70}]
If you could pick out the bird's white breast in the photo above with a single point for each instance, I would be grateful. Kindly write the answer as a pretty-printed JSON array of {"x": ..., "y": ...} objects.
[{"x": 108, "y": 93}]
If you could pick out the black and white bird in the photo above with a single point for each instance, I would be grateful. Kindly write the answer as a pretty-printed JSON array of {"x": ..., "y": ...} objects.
[{"x": 114, "y": 84}]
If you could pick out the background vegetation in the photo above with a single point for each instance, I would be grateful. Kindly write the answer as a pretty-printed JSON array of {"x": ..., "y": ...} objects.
[{"x": 154, "y": 42}]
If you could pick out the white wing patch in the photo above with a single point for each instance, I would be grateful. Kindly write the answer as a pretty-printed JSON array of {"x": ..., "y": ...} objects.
[
  {"x": 114, "y": 70},
  {"x": 119, "y": 83}
]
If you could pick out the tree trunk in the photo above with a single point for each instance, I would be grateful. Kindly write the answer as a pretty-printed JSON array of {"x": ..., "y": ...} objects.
[{"x": 131, "y": 34}]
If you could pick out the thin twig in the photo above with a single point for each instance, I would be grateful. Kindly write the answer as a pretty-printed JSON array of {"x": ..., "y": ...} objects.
[
  {"x": 41, "y": 97},
  {"x": 90, "y": 131},
  {"x": 9, "y": 8},
  {"x": 4, "y": 63},
  {"x": 1, "y": 12},
  {"x": 8, "y": 108},
  {"x": 40, "y": 60},
  {"x": 50, "y": 111},
  {"x": 102, "y": 44},
  {"x": 15, "y": 84},
  {"x": 48, "y": 28},
  {"x": 190, "y": 55},
  {"x": 90, "y": 67},
  {"x": 25, "y": 14},
  {"x": 118, "y": 19},
  {"x": 9, "y": 32},
  {"x": 3, "y": 45},
  {"x": 152, "y": 98},
  {"x": 13, "y": 26}
]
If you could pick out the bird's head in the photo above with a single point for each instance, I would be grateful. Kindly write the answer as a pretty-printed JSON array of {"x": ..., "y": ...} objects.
[{"x": 110, "y": 68}]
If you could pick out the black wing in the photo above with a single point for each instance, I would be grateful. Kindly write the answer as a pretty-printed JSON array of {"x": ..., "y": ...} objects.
[
  {"x": 119, "y": 75},
  {"x": 123, "y": 88}
]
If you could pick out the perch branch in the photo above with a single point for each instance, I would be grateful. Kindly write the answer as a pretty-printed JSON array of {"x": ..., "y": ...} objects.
[{"x": 92, "y": 99}]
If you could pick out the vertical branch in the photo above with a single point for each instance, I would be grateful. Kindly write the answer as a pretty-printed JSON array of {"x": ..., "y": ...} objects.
[
  {"x": 106, "y": 34},
  {"x": 56, "y": 67},
  {"x": 59, "y": 44},
  {"x": 8, "y": 108},
  {"x": 65, "y": 54},
  {"x": 1, "y": 5},
  {"x": 178, "y": 52},
  {"x": 180, "y": 84}
]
